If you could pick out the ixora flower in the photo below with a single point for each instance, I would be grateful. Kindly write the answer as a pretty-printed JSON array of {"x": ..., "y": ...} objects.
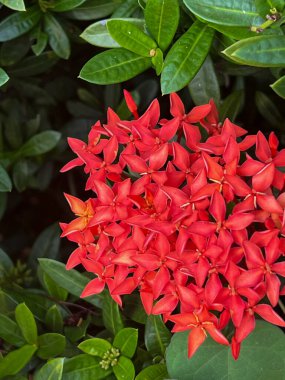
[{"x": 195, "y": 225}]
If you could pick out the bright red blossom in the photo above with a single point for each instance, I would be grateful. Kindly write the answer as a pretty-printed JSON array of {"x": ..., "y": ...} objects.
[{"x": 196, "y": 226}]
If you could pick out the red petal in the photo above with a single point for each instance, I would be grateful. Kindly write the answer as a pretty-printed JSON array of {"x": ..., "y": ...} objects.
[
  {"x": 262, "y": 150},
  {"x": 266, "y": 312},
  {"x": 246, "y": 327},
  {"x": 137, "y": 164},
  {"x": 218, "y": 207},
  {"x": 250, "y": 278},
  {"x": 76, "y": 204},
  {"x": 239, "y": 221},
  {"x": 176, "y": 106},
  {"x": 273, "y": 287},
  {"x": 104, "y": 192},
  {"x": 159, "y": 157},
  {"x": 216, "y": 334},
  {"x": 95, "y": 286},
  {"x": 195, "y": 339},
  {"x": 264, "y": 178}
]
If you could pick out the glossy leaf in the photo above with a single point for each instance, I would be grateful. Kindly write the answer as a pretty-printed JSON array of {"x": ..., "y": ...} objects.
[
  {"x": 71, "y": 280},
  {"x": 39, "y": 144},
  {"x": 111, "y": 315},
  {"x": 126, "y": 9},
  {"x": 21, "y": 175},
  {"x": 232, "y": 105},
  {"x": 114, "y": 66},
  {"x": 95, "y": 346},
  {"x": 75, "y": 333},
  {"x": 261, "y": 51},
  {"x": 157, "y": 61},
  {"x": 229, "y": 12},
  {"x": 50, "y": 345},
  {"x": 5, "y": 181},
  {"x": 34, "y": 65},
  {"x": 205, "y": 85},
  {"x": 13, "y": 51},
  {"x": 10, "y": 332},
  {"x": 156, "y": 371},
  {"x": 5, "y": 261},
  {"x": 65, "y": 5},
  {"x": 124, "y": 369},
  {"x": 17, "y": 5},
  {"x": 126, "y": 341},
  {"x": 51, "y": 370},
  {"x": 26, "y": 322},
  {"x": 157, "y": 336},
  {"x": 130, "y": 37},
  {"x": 15, "y": 360},
  {"x": 54, "y": 289},
  {"x": 41, "y": 42},
  {"x": 133, "y": 308},
  {"x": 268, "y": 110},
  {"x": 186, "y": 57},
  {"x": 58, "y": 39},
  {"x": 94, "y": 9},
  {"x": 53, "y": 319},
  {"x": 263, "y": 6},
  {"x": 84, "y": 367},
  {"x": 162, "y": 18},
  {"x": 279, "y": 87},
  {"x": 3, "y": 77},
  {"x": 19, "y": 23},
  {"x": 97, "y": 34},
  {"x": 262, "y": 356}
]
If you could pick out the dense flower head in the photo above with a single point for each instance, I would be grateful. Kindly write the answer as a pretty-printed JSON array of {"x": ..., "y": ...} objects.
[{"x": 195, "y": 225}]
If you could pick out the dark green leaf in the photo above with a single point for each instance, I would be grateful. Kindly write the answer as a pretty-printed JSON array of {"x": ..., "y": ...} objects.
[
  {"x": 41, "y": 40},
  {"x": 3, "y": 204},
  {"x": 31, "y": 66},
  {"x": 186, "y": 57},
  {"x": 205, "y": 85},
  {"x": 157, "y": 61},
  {"x": 10, "y": 332},
  {"x": 232, "y": 105},
  {"x": 97, "y": 34},
  {"x": 153, "y": 372},
  {"x": 130, "y": 37},
  {"x": 21, "y": 175},
  {"x": 19, "y": 23},
  {"x": 52, "y": 370},
  {"x": 58, "y": 39},
  {"x": 53, "y": 319},
  {"x": 13, "y": 51},
  {"x": 26, "y": 322},
  {"x": 268, "y": 110},
  {"x": 226, "y": 12},
  {"x": 111, "y": 315},
  {"x": 15, "y": 360},
  {"x": 75, "y": 333},
  {"x": 17, "y": 5},
  {"x": 157, "y": 336},
  {"x": 261, "y": 51},
  {"x": 262, "y": 357},
  {"x": 114, "y": 66},
  {"x": 264, "y": 6},
  {"x": 46, "y": 245},
  {"x": 5, "y": 182},
  {"x": 71, "y": 280},
  {"x": 125, "y": 369},
  {"x": 241, "y": 32},
  {"x": 84, "y": 367},
  {"x": 5, "y": 261},
  {"x": 50, "y": 345},
  {"x": 54, "y": 289},
  {"x": 94, "y": 9},
  {"x": 133, "y": 308},
  {"x": 126, "y": 341},
  {"x": 162, "y": 18},
  {"x": 279, "y": 87},
  {"x": 95, "y": 346},
  {"x": 126, "y": 9},
  {"x": 65, "y": 5},
  {"x": 41, "y": 143}
]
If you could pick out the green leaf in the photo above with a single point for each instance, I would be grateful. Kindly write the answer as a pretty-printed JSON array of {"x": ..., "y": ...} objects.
[
  {"x": 268, "y": 110},
  {"x": 5, "y": 261},
  {"x": 54, "y": 289},
  {"x": 126, "y": 341},
  {"x": 133, "y": 308},
  {"x": 3, "y": 77},
  {"x": 153, "y": 372},
  {"x": 17, "y": 5},
  {"x": 114, "y": 66},
  {"x": 15, "y": 360},
  {"x": 26, "y": 322},
  {"x": 21, "y": 175},
  {"x": 84, "y": 367},
  {"x": 229, "y": 12},
  {"x": 50, "y": 345},
  {"x": 52, "y": 370},
  {"x": 5, "y": 181},
  {"x": 261, "y": 51},
  {"x": 125, "y": 369},
  {"x": 41, "y": 41},
  {"x": 205, "y": 85},
  {"x": 58, "y": 39},
  {"x": 95, "y": 346},
  {"x": 97, "y": 34},
  {"x": 186, "y": 57},
  {"x": 19, "y": 23},
  {"x": 130, "y": 37},
  {"x": 71, "y": 280},
  {"x": 126, "y": 9},
  {"x": 262, "y": 356},
  {"x": 10, "y": 332},
  {"x": 46, "y": 245},
  {"x": 75, "y": 333},
  {"x": 32, "y": 66},
  {"x": 94, "y": 9},
  {"x": 263, "y": 6},
  {"x": 157, "y": 61},
  {"x": 157, "y": 336},
  {"x": 65, "y": 5},
  {"x": 39, "y": 144},
  {"x": 3, "y": 204},
  {"x": 232, "y": 105},
  {"x": 162, "y": 18},
  {"x": 279, "y": 87},
  {"x": 111, "y": 315},
  {"x": 53, "y": 319}
]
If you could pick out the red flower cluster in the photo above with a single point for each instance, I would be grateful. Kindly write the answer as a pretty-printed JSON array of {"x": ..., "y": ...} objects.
[{"x": 196, "y": 226}]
